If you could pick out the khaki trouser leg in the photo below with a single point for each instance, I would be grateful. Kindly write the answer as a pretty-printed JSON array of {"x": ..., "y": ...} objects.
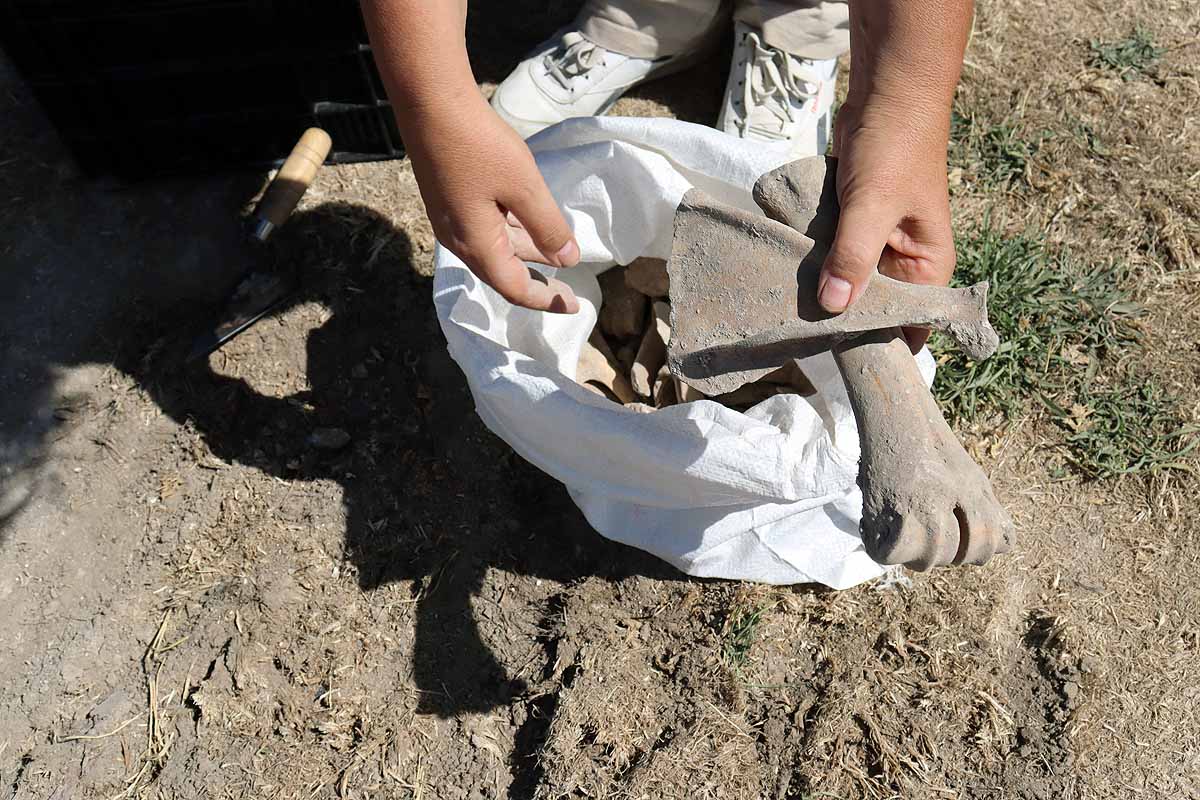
[
  {"x": 815, "y": 29},
  {"x": 651, "y": 28},
  {"x": 656, "y": 28}
]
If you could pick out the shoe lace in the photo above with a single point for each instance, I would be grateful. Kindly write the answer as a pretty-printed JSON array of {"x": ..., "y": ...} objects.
[
  {"x": 573, "y": 57},
  {"x": 772, "y": 81}
]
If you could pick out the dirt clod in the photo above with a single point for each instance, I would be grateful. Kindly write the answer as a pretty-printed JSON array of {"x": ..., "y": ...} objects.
[{"x": 329, "y": 438}]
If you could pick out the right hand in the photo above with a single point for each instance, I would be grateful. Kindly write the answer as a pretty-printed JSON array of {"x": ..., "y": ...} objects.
[
  {"x": 489, "y": 205},
  {"x": 895, "y": 204}
]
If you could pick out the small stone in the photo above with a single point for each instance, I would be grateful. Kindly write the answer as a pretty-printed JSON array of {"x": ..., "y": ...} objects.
[
  {"x": 649, "y": 276},
  {"x": 664, "y": 388},
  {"x": 597, "y": 370},
  {"x": 329, "y": 438},
  {"x": 686, "y": 393},
  {"x": 358, "y": 371},
  {"x": 623, "y": 312},
  {"x": 652, "y": 354},
  {"x": 626, "y": 354}
]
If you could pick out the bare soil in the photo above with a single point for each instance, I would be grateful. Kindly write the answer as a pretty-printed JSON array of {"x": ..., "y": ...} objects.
[{"x": 196, "y": 601}]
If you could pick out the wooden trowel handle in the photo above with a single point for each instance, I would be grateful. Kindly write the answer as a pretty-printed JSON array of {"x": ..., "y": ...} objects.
[{"x": 291, "y": 182}]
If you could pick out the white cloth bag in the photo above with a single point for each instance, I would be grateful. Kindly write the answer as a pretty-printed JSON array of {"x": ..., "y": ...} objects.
[{"x": 769, "y": 495}]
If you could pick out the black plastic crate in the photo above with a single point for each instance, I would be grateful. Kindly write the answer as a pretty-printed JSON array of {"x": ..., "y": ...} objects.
[{"x": 167, "y": 86}]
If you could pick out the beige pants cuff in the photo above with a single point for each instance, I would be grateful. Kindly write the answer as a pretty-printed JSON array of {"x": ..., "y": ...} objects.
[
  {"x": 814, "y": 29},
  {"x": 653, "y": 28}
]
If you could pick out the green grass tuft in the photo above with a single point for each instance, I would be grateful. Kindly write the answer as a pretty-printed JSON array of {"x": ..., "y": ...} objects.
[
  {"x": 995, "y": 153},
  {"x": 1053, "y": 319},
  {"x": 740, "y": 633},
  {"x": 1129, "y": 57},
  {"x": 1125, "y": 429},
  {"x": 1061, "y": 325}
]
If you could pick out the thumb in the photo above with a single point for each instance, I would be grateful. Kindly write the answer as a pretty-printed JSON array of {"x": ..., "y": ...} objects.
[
  {"x": 862, "y": 233},
  {"x": 545, "y": 225},
  {"x": 489, "y": 253}
]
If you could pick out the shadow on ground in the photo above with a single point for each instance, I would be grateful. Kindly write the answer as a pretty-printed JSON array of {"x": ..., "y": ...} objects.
[
  {"x": 430, "y": 495},
  {"x": 97, "y": 273}
]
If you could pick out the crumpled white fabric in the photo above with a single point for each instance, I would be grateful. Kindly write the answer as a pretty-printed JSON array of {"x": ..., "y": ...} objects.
[{"x": 769, "y": 495}]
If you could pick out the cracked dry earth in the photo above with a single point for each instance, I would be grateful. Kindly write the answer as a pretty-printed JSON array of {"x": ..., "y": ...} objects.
[{"x": 197, "y": 600}]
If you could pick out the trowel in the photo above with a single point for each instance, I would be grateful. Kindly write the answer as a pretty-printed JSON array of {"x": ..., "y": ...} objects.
[{"x": 261, "y": 291}]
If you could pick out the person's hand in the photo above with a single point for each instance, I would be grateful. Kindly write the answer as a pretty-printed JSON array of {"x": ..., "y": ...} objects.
[
  {"x": 488, "y": 203},
  {"x": 895, "y": 205}
]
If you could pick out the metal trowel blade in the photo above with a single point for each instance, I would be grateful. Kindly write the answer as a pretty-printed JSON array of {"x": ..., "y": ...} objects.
[{"x": 256, "y": 295}]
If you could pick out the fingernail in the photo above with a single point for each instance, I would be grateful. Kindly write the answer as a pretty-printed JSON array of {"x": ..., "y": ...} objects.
[
  {"x": 568, "y": 254},
  {"x": 835, "y": 294}
]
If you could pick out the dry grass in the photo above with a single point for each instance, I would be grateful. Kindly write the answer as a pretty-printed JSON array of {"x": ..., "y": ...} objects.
[
  {"x": 1114, "y": 178},
  {"x": 1067, "y": 669}
]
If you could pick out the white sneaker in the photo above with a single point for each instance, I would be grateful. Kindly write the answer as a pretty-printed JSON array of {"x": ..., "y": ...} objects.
[
  {"x": 773, "y": 96},
  {"x": 569, "y": 76}
]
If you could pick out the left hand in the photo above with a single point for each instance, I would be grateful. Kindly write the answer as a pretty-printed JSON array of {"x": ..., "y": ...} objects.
[{"x": 895, "y": 205}]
